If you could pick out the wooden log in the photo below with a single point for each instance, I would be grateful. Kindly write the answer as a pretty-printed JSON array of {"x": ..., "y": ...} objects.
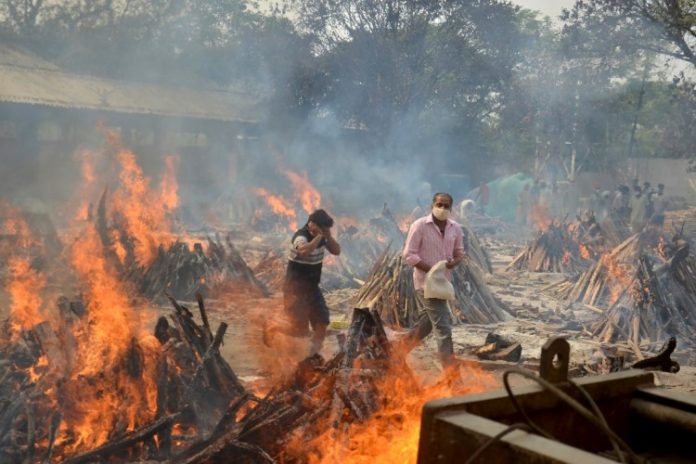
[
  {"x": 204, "y": 317},
  {"x": 119, "y": 445}
]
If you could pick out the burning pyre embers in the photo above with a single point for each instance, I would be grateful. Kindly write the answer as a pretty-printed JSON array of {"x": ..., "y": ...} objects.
[
  {"x": 562, "y": 247},
  {"x": 155, "y": 390},
  {"x": 198, "y": 411},
  {"x": 644, "y": 290},
  {"x": 180, "y": 268}
]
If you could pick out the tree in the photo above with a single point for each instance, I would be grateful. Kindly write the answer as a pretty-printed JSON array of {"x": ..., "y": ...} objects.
[
  {"x": 421, "y": 76},
  {"x": 666, "y": 27}
]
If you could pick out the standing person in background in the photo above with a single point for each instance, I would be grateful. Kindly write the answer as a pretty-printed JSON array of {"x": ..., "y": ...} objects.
[
  {"x": 483, "y": 196},
  {"x": 621, "y": 205},
  {"x": 638, "y": 210},
  {"x": 659, "y": 200},
  {"x": 432, "y": 239},
  {"x": 595, "y": 199},
  {"x": 303, "y": 300},
  {"x": 523, "y": 200}
]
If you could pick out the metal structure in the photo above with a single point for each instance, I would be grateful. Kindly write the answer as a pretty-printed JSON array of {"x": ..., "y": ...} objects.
[{"x": 653, "y": 422}]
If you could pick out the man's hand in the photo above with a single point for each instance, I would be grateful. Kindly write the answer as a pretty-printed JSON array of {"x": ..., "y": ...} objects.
[
  {"x": 423, "y": 267},
  {"x": 331, "y": 243},
  {"x": 453, "y": 262}
]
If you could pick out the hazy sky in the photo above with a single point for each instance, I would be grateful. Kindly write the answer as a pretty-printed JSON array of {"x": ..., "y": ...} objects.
[{"x": 548, "y": 7}]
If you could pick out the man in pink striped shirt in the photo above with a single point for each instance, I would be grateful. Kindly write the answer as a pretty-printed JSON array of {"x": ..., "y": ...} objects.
[{"x": 432, "y": 239}]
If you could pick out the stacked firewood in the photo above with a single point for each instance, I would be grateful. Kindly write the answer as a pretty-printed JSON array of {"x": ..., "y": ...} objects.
[
  {"x": 556, "y": 249},
  {"x": 603, "y": 282},
  {"x": 659, "y": 302},
  {"x": 320, "y": 396},
  {"x": 183, "y": 272},
  {"x": 270, "y": 269},
  {"x": 389, "y": 290},
  {"x": 684, "y": 219},
  {"x": 178, "y": 269},
  {"x": 475, "y": 250},
  {"x": 194, "y": 386}
]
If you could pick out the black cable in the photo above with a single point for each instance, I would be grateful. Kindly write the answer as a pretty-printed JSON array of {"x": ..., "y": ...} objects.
[
  {"x": 587, "y": 414},
  {"x": 595, "y": 417},
  {"x": 492, "y": 440}
]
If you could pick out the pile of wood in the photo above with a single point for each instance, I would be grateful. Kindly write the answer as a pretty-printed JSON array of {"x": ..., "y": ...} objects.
[
  {"x": 615, "y": 230},
  {"x": 475, "y": 250},
  {"x": 270, "y": 269},
  {"x": 194, "y": 388},
  {"x": 321, "y": 396},
  {"x": 658, "y": 303},
  {"x": 389, "y": 290},
  {"x": 360, "y": 248},
  {"x": 183, "y": 272},
  {"x": 178, "y": 269},
  {"x": 555, "y": 249},
  {"x": 684, "y": 219},
  {"x": 602, "y": 283}
]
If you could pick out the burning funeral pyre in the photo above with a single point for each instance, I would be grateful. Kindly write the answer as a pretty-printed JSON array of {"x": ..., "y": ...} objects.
[
  {"x": 179, "y": 268},
  {"x": 150, "y": 393},
  {"x": 564, "y": 247},
  {"x": 644, "y": 291},
  {"x": 389, "y": 290},
  {"x": 172, "y": 397}
]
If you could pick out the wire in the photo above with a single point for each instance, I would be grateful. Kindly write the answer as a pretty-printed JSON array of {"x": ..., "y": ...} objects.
[
  {"x": 598, "y": 421},
  {"x": 595, "y": 417},
  {"x": 492, "y": 440}
]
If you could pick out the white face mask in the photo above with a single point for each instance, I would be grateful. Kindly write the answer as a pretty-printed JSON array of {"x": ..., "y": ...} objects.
[{"x": 441, "y": 213}]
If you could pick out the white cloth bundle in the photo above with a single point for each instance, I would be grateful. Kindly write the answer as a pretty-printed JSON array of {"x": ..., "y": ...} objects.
[{"x": 437, "y": 285}]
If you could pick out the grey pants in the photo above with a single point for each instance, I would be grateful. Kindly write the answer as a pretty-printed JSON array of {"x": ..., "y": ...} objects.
[{"x": 434, "y": 315}]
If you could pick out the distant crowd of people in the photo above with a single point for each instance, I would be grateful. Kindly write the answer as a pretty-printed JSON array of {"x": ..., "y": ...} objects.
[
  {"x": 541, "y": 200},
  {"x": 633, "y": 206}
]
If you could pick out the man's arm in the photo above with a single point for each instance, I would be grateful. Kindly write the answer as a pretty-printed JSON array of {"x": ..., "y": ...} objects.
[
  {"x": 412, "y": 248},
  {"x": 331, "y": 243},
  {"x": 304, "y": 247},
  {"x": 458, "y": 254}
]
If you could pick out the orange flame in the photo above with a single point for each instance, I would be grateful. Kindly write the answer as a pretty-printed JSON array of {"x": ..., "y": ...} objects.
[
  {"x": 392, "y": 433},
  {"x": 619, "y": 277},
  {"x": 89, "y": 180},
  {"x": 279, "y": 206},
  {"x": 539, "y": 217},
  {"x": 308, "y": 195},
  {"x": 25, "y": 284},
  {"x": 101, "y": 391},
  {"x": 168, "y": 185},
  {"x": 144, "y": 217},
  {"x": 24, "y": 287}
]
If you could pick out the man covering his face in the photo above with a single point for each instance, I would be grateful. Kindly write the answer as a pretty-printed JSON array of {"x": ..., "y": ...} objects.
[{"x": 304, "y": 302}]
